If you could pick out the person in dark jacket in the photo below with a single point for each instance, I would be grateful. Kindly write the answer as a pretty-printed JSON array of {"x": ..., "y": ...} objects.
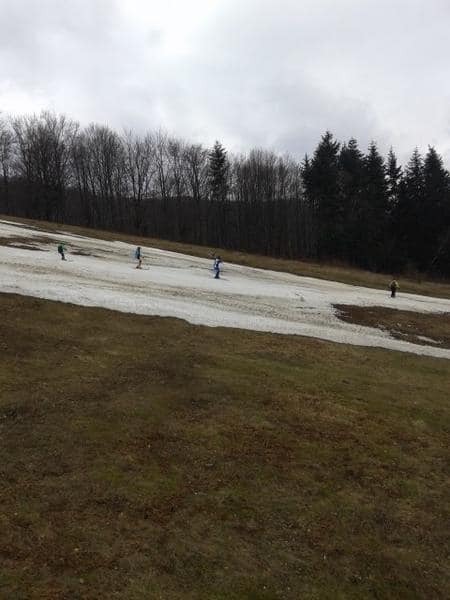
[
  {"x": 61, "y": 251},
  {"x": 393, "y": 286}
]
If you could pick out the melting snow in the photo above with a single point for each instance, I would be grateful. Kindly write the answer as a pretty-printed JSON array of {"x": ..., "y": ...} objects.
[{"x": 177, "y": 285}]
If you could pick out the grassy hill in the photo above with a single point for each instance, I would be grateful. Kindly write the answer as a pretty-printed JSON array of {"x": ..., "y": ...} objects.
[{"x": 143, "y": 458}]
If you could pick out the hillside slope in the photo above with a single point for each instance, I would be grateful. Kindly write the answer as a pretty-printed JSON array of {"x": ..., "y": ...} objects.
[
  {"x": 100, "y": 273},
  {"x": 143, "y": 457}
]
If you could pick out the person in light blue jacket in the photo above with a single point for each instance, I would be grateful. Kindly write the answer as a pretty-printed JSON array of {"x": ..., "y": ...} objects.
[
  {"x": 217, "y": 267},
  {"x": 138, "y": 257}
]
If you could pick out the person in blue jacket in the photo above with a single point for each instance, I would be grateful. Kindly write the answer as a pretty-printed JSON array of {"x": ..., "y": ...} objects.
[
  {"x": 216, "y": 267},
  {"x": 138, "y": 257}
]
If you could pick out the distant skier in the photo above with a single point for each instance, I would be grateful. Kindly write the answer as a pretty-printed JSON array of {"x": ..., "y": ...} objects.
[
  {"x": 216, "y": 267},
  {"x": 393, "y": 287},
  {"x": 62, "y": 251},
  {"x": 138, "y": 257}
]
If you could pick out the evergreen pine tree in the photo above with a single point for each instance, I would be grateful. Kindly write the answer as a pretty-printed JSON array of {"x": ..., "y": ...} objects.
[
  {"x": 414, "y": 177},
  {"x": 325, "y": 197},
  {"x": 218, "y": 168},
  {"x": 305, "y": 171},
  {"x": 374, "y": 247},
  {"x": 435, "y": 215},
  {"x": 408, "y": 212},
  {"x": 351, "y": 181},
  {"x": 394, "y": 175}
]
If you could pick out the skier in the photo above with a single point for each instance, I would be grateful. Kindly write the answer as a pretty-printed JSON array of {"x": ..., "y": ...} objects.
[
  {"x": 393, "y": 287},
  {"x": 216, "y": 267},
  {"x": 61, "y": 251},
  {"x": 138, "y": 257}
]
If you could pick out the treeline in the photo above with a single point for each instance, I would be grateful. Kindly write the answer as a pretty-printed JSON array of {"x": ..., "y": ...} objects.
[{"x": 339, "y": 204}]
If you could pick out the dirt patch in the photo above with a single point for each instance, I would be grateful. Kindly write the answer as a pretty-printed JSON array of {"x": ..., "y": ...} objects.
[
  {"x": 29, "y": 243},
  {"x": 20, "y": 242},
  {"x": 418, "y": 328},
  {"x": 26, "y": 243},
  {"x": 25, "y": 247},
  {"x": 12, "y": 223}
]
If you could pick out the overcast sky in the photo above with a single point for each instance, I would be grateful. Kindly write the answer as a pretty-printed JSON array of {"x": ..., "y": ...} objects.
[{"x": 271, "y": 73}]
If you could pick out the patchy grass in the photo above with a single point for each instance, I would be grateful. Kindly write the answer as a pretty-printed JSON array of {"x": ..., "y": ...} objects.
[
  {"x": 418, "y": 328},
  {"x": 143, "y": 457},
  {"x": 19, "y": 242},
  {"x": 81, "y": 253},
  {"x": 332, "y": 272},
  {"x": 29, "y": 243}
]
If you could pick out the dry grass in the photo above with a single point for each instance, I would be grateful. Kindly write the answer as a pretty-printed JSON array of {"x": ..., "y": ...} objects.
[
  {"x": 147, "y": 458},
  {"x": 401, "y": 324},
  {"x": 344, "y": 274},
  {"x": 19, "y": 242}
]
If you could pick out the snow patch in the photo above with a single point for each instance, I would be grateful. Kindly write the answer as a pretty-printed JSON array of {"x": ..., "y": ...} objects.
[{"x": 102, "y": 273}]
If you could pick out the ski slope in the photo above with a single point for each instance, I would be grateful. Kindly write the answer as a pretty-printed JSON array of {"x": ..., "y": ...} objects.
[{"x": 101, "y": 273}]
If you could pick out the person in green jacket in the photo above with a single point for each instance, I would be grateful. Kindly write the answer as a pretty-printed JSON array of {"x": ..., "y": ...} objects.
[{"x": 61, "y": 251}]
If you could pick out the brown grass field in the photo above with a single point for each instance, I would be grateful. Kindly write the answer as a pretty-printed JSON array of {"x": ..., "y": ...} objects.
[{"x": 146, "y": 458}]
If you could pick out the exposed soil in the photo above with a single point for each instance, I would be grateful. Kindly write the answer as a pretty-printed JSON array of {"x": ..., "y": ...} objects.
[
  {"x": 418, "y": 328},
  {"x": 26, "y": 247},
  {"x": 24, "y": 242}
]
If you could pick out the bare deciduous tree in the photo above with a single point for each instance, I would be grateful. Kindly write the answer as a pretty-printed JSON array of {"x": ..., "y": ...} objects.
[{"x": 6, "y": 158}]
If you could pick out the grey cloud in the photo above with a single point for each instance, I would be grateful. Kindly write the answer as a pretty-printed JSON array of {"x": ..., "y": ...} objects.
[{"x": 249, "y": 73}]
